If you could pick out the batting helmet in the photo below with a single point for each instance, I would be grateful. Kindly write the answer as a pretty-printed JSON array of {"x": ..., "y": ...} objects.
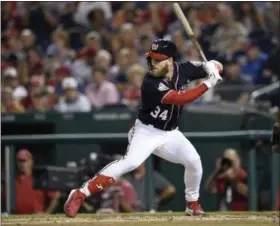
[{"x": 162, "y": 49}]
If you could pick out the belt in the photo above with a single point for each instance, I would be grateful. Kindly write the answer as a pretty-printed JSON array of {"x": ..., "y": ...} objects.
[{"x": 147, "y": 124}]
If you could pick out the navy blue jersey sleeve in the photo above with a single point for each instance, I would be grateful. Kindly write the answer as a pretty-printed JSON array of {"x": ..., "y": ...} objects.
[
  {"x": 192, "y": 70},
  {"x": 154, "y": 89}
]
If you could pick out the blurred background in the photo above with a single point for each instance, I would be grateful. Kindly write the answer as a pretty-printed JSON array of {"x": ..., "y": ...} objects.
[{"x": 71, "y": 74}]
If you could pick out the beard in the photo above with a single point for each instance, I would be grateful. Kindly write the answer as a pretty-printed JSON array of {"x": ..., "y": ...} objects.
[{"x": 160, "y": 72}]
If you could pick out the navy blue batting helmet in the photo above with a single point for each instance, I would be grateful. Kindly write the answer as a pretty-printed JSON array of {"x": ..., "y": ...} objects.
[{"x": 162, "y": 49}]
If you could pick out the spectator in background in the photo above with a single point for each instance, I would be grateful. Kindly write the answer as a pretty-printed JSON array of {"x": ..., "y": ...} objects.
[
  {"x": 60, "y": 45},
  {"x": 101, "y": 92},
  {"x": 253, "y": 65},
  {"x": 57, "y": 77},
  {"x": 66, "y": 18},
  {"x": 103, "y": 59},
  {"x": 270, "y": 15},
  {"x": 127, "y": 14},
  {"x": 163, "y": 188},
  {"x": 118, "y": 71},
  {"x": 28, "y": 200},
  {"x": 97, "y": 21},
  {"x": 40, "y": 102},
  {"x": 128, "y": 36},
  {"x": 8, "y": 104},
  {"x": 72, "y": 101},
  {"x": 233, "y": 87},
  {"x": 132, "y": 93},
  {"x": 82, "y": 67},
  {"x": 248, "y": 15},
  {"x": 181, "y": 44},
  {"x": 228, "y": 32},
  {"x": 207, "y": 13},
  {"x": 36, "y": 85},
  {"x": 93, "y": 40},
  {"x": 11, "y": 80},
  {"x": 35, "y": 63},
  {"x": 28, "y": 40},
  {"x": 120, "y": 197},
  {"x": 229, "y": 182},
  {"x": 42, "y": 21},
  {"x": 84, "y": 8},
  {"x": 10, "y": 17}
]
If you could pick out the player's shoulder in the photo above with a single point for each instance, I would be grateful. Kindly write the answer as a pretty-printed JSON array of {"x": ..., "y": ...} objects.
[{"x": 155, "y": 83}]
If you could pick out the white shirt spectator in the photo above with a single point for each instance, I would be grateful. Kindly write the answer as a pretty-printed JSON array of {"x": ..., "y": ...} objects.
[
  {"x": 76, "y": 102},
  {"x": 81, "y": 104},
  {"x": 19, "y": 93},
  {"x": 106, "y": 94}
]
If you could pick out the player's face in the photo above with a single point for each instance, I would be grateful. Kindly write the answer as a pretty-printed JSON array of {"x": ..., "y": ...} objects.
[{"x": 160, "y": 67}]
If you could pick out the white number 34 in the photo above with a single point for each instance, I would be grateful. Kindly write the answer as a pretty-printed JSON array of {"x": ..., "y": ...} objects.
[{"x": 157, "y": 113}]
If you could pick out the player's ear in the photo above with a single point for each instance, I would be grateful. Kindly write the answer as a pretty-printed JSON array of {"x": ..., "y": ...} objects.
[{"x": 170, "y": 60}]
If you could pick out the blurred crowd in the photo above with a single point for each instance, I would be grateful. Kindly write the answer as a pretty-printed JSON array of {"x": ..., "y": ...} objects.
[{"x": 79, "y": 56}]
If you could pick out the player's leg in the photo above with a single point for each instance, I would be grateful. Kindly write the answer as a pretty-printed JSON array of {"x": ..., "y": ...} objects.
[
  {"x": 143, "y": 143},
  {"x": 178, "y": 149}
]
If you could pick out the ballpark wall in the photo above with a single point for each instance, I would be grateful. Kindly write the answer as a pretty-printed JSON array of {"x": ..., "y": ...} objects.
[{"x": 120, "y": 121}]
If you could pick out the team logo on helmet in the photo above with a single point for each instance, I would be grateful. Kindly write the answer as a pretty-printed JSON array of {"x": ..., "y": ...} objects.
[{"x": 154, "y": 46}]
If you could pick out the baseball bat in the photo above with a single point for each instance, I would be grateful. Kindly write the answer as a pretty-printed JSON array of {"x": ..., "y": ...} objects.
[{"x": 180, "y": 15}]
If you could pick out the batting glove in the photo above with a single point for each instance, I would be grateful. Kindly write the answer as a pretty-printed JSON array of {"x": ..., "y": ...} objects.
[{"x": 212, "y": 68}]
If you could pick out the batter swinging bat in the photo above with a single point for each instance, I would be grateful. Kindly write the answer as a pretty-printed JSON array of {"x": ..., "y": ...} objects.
[{"x": 180, "y": 15}]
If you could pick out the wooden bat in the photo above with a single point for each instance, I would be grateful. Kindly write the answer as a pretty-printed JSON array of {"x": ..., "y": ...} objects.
[{"x": 180, "y": 15}]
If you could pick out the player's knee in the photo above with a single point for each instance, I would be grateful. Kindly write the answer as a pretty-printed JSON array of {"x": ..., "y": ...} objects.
[{"x": 194, "y": 164}]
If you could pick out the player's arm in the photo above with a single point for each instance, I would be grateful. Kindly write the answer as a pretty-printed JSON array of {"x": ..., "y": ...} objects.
[
  {"x": 187, "y": 96},
  {"x": 196, "y": 69}
]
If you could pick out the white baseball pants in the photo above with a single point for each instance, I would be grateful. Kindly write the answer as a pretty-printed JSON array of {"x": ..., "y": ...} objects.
[{"x": 172, "y": 146}]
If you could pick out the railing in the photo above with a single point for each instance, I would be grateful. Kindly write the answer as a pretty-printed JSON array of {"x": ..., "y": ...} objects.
[
  {"x": 262, "y": 91},
  {"x": 8, "y": 141}
]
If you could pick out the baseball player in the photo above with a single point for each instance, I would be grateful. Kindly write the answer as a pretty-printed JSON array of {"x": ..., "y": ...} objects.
[{"x": 156, "y": 131}]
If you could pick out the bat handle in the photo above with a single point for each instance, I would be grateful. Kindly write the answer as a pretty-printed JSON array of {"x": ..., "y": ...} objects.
[{"x": 203, "y": 56}]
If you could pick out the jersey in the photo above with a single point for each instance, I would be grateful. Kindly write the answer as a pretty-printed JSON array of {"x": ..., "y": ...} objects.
[{"x": 166, "y": 116}]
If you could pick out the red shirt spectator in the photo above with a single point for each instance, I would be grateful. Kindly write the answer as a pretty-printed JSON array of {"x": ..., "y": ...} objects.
[
  {"x": 120, "y": 196},
  {"x": 28, "y": 200},
  {"x": 229, "y": 182},
  {"x": 132, "y": 93},
  {"x": 238, "y": 201},
  {"x": 37, "y": 83}
]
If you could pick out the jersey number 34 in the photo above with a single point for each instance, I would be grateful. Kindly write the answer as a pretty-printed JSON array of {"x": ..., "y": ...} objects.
[{"x": 157, "y": 113}]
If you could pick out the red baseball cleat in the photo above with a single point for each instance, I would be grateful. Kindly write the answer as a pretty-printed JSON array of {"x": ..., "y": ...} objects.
[
  {"x": 73, "y": 203},
  {"x": 194, "y": 209}
]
